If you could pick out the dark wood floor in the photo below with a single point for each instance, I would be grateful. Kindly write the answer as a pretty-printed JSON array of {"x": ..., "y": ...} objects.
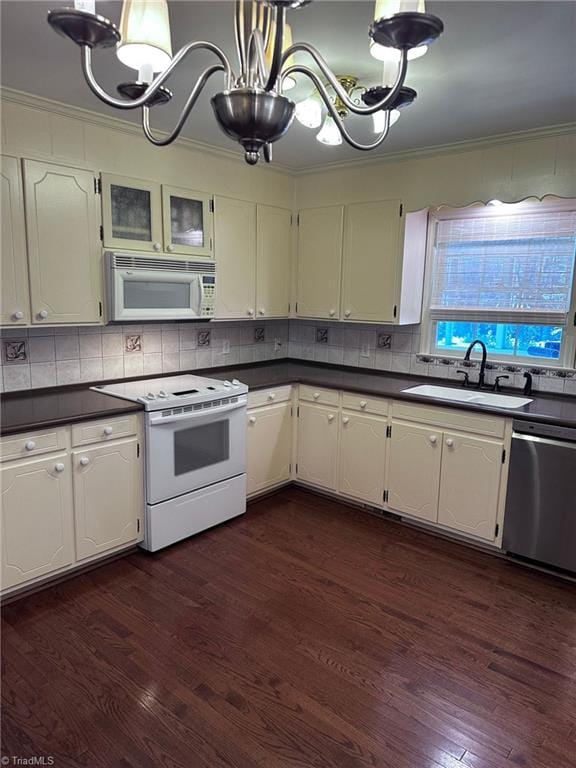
[{"x": 303, "y": 634}]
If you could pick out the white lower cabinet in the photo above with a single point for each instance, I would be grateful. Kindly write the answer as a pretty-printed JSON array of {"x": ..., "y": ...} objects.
[
  {"x": 37, "y": 518},
  {"x": 362, "y": 461},
  {"x": 108, "y": 497},
  {"x": 318, "y": 428},
  {"x": 470, "y": 484},
  {"x": 414, "y": 470},
  {"x": 269, "y": 447}
]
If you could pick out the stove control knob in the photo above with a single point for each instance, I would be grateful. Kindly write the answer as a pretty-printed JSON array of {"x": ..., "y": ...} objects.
[
  {"x": 227, "y": 384},
  {"x": 150, "y": 396},
  {"x": 162, "y": 393},
  {"x": 235, "y": 382}
]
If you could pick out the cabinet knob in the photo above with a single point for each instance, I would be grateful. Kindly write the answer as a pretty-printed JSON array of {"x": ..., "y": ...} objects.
[
  {"x": 250, "y": 312},
  {"x": 108, "y": 430},
  {"x": 449, "y": 442},
  {"x": 252, "y": 419},
  {"x": 261, "y": 311},
  {"x": 363, "y": 403},
  {"x": 272, "y": 396},
  {"x": 347, "y": 313},
  {"x": 345, "y": 420},
  {"x": 43, "y": 314},
  {"x": 84, "y": 461},
  {"x": 332, "y": 313},
  {"x": 17, "y": 315},
  {"x": 316, "y": 395},
  {"x": 157, "y": 247},
  {"x": 30, "y": 445},
  {"x": 170, "y": 248},
  {"x": 330, "y": 417},
  {"x": 433, "y": 439},
  {"x": 59, "y": 467}
]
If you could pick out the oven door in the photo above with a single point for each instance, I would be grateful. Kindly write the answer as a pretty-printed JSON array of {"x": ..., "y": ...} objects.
[
  {"x": 156, "y": 295},
  {"x": 188, "y": 451}
]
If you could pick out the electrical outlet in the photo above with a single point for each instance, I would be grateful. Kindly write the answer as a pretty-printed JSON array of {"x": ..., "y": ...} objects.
[
  {"x": 365, "y": 351},
  {"x": 226, "y": 347},
  {"x": 277, "y": 345}
]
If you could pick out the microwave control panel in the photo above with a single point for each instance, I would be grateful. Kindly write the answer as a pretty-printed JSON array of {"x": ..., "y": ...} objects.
[{"x": 209, "y": 295}]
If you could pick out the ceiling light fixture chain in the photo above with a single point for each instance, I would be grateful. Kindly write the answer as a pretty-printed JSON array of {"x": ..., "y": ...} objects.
[{"x": 252, "y": 108}]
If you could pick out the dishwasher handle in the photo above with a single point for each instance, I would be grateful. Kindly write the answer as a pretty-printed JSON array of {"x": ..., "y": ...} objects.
[{"x": 543, "y": 440}]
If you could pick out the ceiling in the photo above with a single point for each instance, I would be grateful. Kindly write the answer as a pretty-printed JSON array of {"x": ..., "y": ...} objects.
[{"x": 500, "y": 67}]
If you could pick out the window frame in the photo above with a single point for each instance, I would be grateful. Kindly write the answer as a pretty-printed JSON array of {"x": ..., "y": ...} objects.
[{"x": 567, "y": 357}]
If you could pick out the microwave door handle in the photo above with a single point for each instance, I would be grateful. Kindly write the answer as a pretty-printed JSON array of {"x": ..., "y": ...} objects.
[
  {"x": 191, "y": 415},
  {"x": 200, "y": 295}
]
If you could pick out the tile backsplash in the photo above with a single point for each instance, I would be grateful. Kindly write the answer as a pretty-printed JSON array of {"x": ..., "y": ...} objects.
[{"x": 45, "y": 357}]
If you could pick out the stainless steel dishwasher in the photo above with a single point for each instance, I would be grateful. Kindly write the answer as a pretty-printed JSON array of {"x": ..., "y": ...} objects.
[{"x": 540, "y": 520}]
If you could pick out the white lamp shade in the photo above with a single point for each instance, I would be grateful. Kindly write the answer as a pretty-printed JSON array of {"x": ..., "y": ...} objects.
[
  {"x": 380, "y": 117},
  {"x": 309, "y": 113},
  {"x": 385, "y": 8},
  {"x": 329, "y": 134},
  {"x": 145, "y": 30}
]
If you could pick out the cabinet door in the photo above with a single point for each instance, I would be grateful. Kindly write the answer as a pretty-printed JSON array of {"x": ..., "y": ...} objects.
[
  {"x": 319, "y": 261},
  {"x": 470, "y": 484},
  {"x": 37, "y": 524},
  {"x": 14, "y": 292},
  {"x": 371, "y": 261},
  {"x": 64, "y": 249},
  {"x": 273, "y": 259},
  {"x": 108, "y": 496},
  {"x": 414, "y": 470},
  {"x": 318, "y": 428},
  {"x": 362, "y": 462},
  {"x": 187, "y": 221},
  {"x": 131, "y": 213},
  {"x": 269, "y": 447},
  {"x": 235, "y": 250}
]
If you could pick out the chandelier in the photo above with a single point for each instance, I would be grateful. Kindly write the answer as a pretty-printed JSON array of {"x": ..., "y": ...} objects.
[{"x": 252, "y": 107}]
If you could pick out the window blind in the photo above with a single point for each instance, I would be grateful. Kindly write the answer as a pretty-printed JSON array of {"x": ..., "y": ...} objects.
[{"x": 506, "y": 267}]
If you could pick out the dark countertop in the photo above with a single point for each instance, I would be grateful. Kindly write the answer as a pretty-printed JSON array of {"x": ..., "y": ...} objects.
[{"x": 38, "y": 409}]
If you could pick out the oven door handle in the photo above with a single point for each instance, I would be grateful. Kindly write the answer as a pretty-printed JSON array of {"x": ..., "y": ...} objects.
[{"x": 155, "y": 421}]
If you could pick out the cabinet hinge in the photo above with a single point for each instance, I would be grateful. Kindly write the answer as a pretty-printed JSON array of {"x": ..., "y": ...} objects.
[
  {"x": 98, "y": 185},
  {"x": 296, "y": 307},
  {"x": 504, "y": 456},
  {"x": 100, "y": 308},
  {"x": 138, "y": 525},
  {"x": 211, "y": 205},
  {"x": 298, "y": 220},
  {"x": 101, "y": 233},
  {"x": 211, "y": 245},
  {"x": 290, "y": 468},
  {"x": 395, "y": 310},
  {"x": 385, "y": 497},
  {"x": 388, "y": 431},
  {"x": 296, "y": 468},
  {"x": 401, "y": 209},
  {"x": 496, "y": 530},
  {"x": 137, "y": 450},
  {"x": 298, "y": 412}
]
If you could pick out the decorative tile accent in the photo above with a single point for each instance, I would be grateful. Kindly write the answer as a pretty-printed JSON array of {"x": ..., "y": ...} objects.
[
  {"x": 133, "y": 343},
  {"x": 259, "y": 335},
  {"x": 321, "y": 335},
  {"x": 15, "y": 351},
  {"x": 384, "y": 341},
  {"x": 204, "y": 338}
]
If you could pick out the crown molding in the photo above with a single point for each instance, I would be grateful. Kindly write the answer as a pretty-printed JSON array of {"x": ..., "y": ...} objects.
[
  {"x": 486, "y": 142},
  {"x": 104, "y": 121}
]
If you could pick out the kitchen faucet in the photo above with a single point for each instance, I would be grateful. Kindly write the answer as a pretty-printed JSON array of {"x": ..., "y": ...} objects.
[{"x": 480, "y": 382}]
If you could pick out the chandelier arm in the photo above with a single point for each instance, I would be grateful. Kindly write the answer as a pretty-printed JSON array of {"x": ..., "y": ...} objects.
[
  {"x": 158, "y": 81},
  {"x": 330, "y": 106},
  {"x": 190, "y": 102},
  {"x": 277, "y": 58},
  {"x": 340, "y": 91},
  {"x": 239, "y": 36},
  {"x": 257, "y": 70}
]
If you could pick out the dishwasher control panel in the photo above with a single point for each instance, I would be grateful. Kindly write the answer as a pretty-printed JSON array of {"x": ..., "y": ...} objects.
[{"x": 550, "y": 431}]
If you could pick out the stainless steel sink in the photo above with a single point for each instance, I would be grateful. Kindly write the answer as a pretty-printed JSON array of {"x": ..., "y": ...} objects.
[{"x": 468, "y": 396}]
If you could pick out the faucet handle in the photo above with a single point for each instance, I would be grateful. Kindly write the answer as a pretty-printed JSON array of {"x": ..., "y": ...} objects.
[
  {"x": 466, "y": 379},
  {"x": 497, "y": 382},
  {"x": 528, "y": 384}
]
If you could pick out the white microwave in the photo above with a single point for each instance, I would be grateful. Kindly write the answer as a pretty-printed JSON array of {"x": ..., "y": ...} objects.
[{"x": 158, "y": 288}]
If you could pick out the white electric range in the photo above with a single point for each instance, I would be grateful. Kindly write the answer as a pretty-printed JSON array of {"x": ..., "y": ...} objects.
[{"x": 195, "y": 453}]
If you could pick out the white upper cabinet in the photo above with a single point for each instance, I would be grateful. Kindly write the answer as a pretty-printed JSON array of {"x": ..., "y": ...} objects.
[
  {"x": 131, "y": 213},
  {"x": 370, "y": 263},
  {"x": 273, "y": 261},
  {"x": 14, "y": 292},
  {"x": 319, "y": 262},
  {"x": 187, "y": 220},
  {"x": 235, "y": 251},
  {"x": 64, "y": 250}
]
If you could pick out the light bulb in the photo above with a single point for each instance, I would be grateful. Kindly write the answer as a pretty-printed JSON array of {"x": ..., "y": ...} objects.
[
  {"x": 386, "y": 8},
  {"x": 145, "y": 44},
  {"x": 382, "y": 53},
  {"x": 379, "y": 119},
  {"x": 330, "y": 133},
  {"x": 89, "y": 6},
  {"x": 309, "y": 113},
  {"x": 288, "y": 83}
]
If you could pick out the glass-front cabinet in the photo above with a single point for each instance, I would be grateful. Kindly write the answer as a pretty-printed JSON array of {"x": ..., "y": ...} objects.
[{"x": 146, "y": 216}]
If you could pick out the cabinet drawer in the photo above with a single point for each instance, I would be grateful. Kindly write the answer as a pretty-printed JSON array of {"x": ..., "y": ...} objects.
[
  {"x": 100, "y": 431},
  {"x": 451, "y": 418},
  {"x": 365, "y": 404},
  {"x": 319, "y": 395},
  {"x": 269, "y": 396},
  {"x": 32, "y": 444}
]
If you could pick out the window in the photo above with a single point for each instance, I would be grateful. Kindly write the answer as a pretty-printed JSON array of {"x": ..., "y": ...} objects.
[{"x": 503, "y": 275}]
